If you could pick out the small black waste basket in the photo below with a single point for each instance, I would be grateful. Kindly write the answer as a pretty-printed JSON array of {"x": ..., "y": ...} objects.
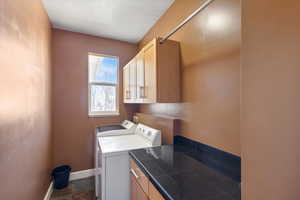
[{"x": 61, "y": 176}]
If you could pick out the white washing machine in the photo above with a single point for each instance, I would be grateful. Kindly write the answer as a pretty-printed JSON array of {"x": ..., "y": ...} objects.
[
  {"x": 115, "y": 178},
  {"x": 125, "y": 128}
]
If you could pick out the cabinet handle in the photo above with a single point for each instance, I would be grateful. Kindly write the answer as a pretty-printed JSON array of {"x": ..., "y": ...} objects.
[
  {"x": 142, "y": 92},
  {"x": 127, "y": 94},
  {"x": 133, "y": 172}
]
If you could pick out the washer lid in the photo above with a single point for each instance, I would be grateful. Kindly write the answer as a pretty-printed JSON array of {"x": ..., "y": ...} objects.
[
  {"x": 115, "y": 133},
  {"x": 122, "y": 143}
]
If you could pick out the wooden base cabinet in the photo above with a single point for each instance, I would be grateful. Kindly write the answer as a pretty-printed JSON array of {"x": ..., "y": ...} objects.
[
  {"x": 153, "y": 193},
  {"x": 141, "y": 187},
  {"x": 153, "y": 75},
  {"x": 136, "y": 191}
]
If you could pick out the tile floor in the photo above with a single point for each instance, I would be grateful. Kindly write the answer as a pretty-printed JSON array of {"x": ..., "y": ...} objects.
[{"x": 82, "y": 189}]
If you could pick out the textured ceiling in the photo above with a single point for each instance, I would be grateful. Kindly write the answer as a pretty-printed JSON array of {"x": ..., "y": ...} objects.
[{"x": 126, "y": 20}]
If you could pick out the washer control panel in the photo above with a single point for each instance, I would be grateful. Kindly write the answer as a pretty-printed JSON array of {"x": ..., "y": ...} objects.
[
  {"x": 128, "y": 124},
  {"x": 151, "y": 134}
]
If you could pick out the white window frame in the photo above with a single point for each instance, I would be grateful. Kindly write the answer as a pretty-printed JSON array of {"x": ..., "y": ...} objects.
[{"x": 117, "y": 85}]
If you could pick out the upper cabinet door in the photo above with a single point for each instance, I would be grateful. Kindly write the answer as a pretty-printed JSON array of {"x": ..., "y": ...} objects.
[
  {"x": 150, "y": 73},
  {"x": 140, "y": 76},
  {"x": 126, "y": 91},
  {"x": 132, "y": 79},
  {"x": 154, "y": 74}
]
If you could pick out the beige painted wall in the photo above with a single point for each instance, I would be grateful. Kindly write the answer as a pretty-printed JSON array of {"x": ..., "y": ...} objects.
[
  {"x": 25, "y": 135},
  {"x": 210, "y": 81},
  {"x": 270, "y": 100},
  {"x": 72, "y": 128}
]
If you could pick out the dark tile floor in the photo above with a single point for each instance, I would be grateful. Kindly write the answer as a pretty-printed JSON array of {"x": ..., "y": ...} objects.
[{"x": 82, "y": 189}]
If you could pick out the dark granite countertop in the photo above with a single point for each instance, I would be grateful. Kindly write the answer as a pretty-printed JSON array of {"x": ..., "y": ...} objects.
[{"x": 178, "y": 176}]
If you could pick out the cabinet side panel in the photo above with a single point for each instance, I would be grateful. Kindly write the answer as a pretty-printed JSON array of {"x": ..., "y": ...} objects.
[{"x": 168, "y": 72}]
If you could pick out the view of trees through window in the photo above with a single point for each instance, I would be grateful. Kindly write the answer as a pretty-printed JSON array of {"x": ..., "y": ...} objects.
[{"x": 103, "y": 84}]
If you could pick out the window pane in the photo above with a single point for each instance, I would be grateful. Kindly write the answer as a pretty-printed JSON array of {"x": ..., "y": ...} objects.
[
  {"x": 103, "y": 98},
  {"x": 103, "y": 69}
]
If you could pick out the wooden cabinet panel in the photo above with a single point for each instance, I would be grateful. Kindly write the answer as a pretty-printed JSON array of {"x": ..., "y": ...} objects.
[
  {"x": 150, "y": 74},
  {"x": 168, "y": 72},
  {"x": 153, "y": 193},
  {"x": 133, "y": 188},
  {"x": 136, "y": 191},
  {"x": 141, "y": 187},
  {"x": 132, "y": 79},
  {"x": 155, "y": 74},
  {"x": 129, "y": 81},
  {"x": 140, "y": 75},
  {"x": 126, "y": 83},
  {"x": 141, "y": 178}
]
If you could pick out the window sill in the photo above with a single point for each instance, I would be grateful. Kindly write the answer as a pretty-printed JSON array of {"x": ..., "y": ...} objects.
[{"x": 104, "y": 114}]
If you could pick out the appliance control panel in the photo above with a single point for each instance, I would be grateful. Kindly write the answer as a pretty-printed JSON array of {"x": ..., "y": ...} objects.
[
  {"x": 128, "y": 124},
  {"x": 151, "y": 134}
]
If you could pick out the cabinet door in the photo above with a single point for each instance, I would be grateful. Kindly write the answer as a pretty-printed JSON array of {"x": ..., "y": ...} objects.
[
  {"x": 141, "y": 178},
  {"x": 126, "y": 90},
  {"x": 153, "y": 193},
  {"x": 136, "y": 191},
  {"x": 140, "y": 76},
  {"x": 132, "y": 80},
  {"x": 150, "y": 74}
]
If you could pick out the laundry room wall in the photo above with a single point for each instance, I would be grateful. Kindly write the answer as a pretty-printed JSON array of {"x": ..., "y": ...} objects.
[
  {"x": 210, "y": 71},
  {"x": 25, "y": 81},
  {"x": 73, "y": 130},
  {"x": 270, "y": 124}
]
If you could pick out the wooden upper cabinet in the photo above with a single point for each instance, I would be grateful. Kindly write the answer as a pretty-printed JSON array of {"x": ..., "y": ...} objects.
[
  {"x": 129, "y": 82},
  {"x": 150, "y": 73},
  {"x": 132, "y": 79},
  {"x": 140, "y": 77},
  {"x": 126, "y": 88},
  {"x": 157, "y": 74}
]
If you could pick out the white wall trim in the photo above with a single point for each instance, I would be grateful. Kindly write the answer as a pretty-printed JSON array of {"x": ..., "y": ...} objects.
[
  {"x": 82, "y": 174},
  {"x": 49, "y": 191}
]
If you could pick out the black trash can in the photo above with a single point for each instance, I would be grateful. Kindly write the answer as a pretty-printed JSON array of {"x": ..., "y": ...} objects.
[{"x": 61, "y": 176}]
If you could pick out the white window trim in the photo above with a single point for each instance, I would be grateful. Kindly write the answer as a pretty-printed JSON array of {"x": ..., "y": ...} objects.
[{"x": 104, "y": 114}]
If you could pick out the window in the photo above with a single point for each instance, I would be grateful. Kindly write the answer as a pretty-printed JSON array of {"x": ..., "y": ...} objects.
[{"x": 103, "y": 85}]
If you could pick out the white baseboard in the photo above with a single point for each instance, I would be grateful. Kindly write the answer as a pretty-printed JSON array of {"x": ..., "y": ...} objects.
[
  {"x": 49, "y": 191},
  {"x": 73, "y": 176},
  {"x": 82, "y": 174}
]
